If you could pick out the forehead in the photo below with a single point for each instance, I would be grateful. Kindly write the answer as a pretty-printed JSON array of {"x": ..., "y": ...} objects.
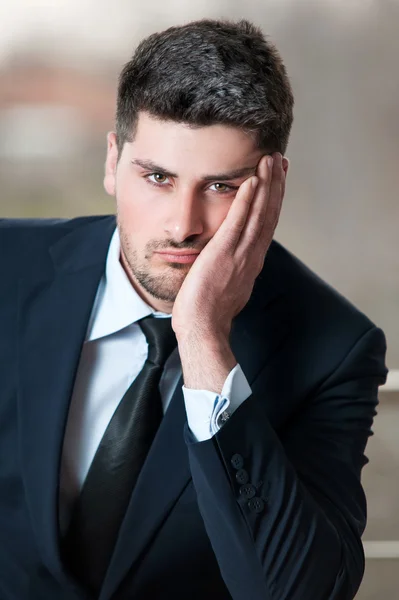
[{"x": 202, "y": 148}]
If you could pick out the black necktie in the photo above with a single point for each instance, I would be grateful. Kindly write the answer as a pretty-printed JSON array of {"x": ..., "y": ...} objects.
[{"x": 102, "y": 503}]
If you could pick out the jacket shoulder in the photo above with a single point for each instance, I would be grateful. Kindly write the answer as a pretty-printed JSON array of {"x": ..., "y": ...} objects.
[
  {"x": 42, "y": 225},
  {"x": 312, "y": 302},
  {"x": 25, "y": 242}
]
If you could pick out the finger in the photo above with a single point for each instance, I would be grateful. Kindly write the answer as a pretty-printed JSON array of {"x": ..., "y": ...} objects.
[
  {"x": 257, "y": 215},
  {"x": 234, "y": 223},
  {"x": 273, "y": 208}
]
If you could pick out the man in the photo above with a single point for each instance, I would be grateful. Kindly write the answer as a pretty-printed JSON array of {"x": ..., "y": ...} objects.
[{"x": 248, "y": 484}]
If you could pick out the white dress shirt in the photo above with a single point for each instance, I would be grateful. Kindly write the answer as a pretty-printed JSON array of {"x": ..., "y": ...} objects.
[{"x": 112, "y": 356}]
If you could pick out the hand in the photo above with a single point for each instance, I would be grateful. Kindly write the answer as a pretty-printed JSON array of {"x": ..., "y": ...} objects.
[{"x": 220, "y": 281}]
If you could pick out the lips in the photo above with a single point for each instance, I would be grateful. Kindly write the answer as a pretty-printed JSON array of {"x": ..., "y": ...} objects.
[
  {"x": 180, "y": 253},
  {"x": 180, "y": 257}
]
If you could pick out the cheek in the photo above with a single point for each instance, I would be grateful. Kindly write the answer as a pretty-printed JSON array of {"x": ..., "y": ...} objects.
[
  {"x": 217, "y": 215},
  {"x": 137, "y": 221},
  {"x": 130, "y": 201}
]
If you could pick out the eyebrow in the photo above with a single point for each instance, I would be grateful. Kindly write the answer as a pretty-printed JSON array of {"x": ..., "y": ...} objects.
[{"x": 235, "y": 174}]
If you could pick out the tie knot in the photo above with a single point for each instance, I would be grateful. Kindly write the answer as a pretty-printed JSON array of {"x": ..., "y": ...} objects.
[{"x": 160, "y": 337}]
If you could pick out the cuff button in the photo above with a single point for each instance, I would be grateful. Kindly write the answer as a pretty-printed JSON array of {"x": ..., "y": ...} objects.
[
  {"x": 242, "y": 476},
  {"x": 248, "y": 490},
  {"x": 256, "y": 505},
  {"x": 237, "y": 461},
  {"x": 223, "y": 418}
]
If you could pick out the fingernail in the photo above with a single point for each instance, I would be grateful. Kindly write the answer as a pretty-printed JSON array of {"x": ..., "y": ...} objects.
[
  {"x": 254, "y": 182},
  {"x": 269, "y": 162}
]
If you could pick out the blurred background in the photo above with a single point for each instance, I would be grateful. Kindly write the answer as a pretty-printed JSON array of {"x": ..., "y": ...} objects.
[{"x": 59, "y": 64}]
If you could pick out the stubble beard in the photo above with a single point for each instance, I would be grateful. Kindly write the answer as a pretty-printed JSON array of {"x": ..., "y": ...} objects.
[{"x": 163, "y": 286}]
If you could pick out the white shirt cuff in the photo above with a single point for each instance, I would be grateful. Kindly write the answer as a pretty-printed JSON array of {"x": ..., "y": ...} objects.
[{"x": 207, "y": 411}]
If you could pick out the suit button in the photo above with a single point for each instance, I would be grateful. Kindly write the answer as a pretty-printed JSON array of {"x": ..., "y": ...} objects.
[
  {"x": 242, "y": 476},
  {"x": 237, "y": 461},
  {"x": 256, "y": 505},
  {"x": 248, "y": 490}
]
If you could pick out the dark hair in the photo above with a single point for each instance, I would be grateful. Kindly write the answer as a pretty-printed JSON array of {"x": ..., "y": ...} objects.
[{"x": 208, "y": 72}]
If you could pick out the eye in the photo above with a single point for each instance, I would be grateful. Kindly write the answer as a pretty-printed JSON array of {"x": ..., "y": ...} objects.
[
  {"x": 158, "y": 178},
  {"x": 223, "y": 188}
]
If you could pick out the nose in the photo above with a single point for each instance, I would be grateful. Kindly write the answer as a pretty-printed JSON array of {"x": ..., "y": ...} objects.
[{"x": 186, "y": 217}]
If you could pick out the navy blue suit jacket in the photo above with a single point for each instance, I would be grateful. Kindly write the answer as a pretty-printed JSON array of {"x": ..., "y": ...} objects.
[{"x": 271, "y": 508}]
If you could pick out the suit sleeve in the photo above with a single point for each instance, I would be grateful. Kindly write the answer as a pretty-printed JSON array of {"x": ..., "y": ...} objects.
[{"x": 285, "y": 513}]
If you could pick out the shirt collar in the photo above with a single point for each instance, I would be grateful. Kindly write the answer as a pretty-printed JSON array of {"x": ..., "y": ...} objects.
[{"x": 117, "y": 304}]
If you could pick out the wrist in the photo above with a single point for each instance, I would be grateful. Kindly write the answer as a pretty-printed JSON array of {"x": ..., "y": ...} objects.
[
  {"x": 203, "y": 333},
  {"x": 206, "y": 361}
]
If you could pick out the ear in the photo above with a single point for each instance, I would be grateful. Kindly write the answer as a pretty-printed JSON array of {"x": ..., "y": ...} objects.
[
  {"x": 111, "y": 164},
  {"x": 286, "y": 165}
]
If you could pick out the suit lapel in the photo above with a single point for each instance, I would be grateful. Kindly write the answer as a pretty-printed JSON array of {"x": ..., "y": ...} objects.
[{"x": 54, "y": 309}]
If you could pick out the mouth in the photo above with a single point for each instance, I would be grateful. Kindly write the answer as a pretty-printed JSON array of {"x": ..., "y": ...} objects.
[{"x": 180, "y": 257}]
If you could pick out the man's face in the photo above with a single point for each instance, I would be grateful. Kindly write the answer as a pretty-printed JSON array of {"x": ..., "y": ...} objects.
[{"x": 173, "y": 186}]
